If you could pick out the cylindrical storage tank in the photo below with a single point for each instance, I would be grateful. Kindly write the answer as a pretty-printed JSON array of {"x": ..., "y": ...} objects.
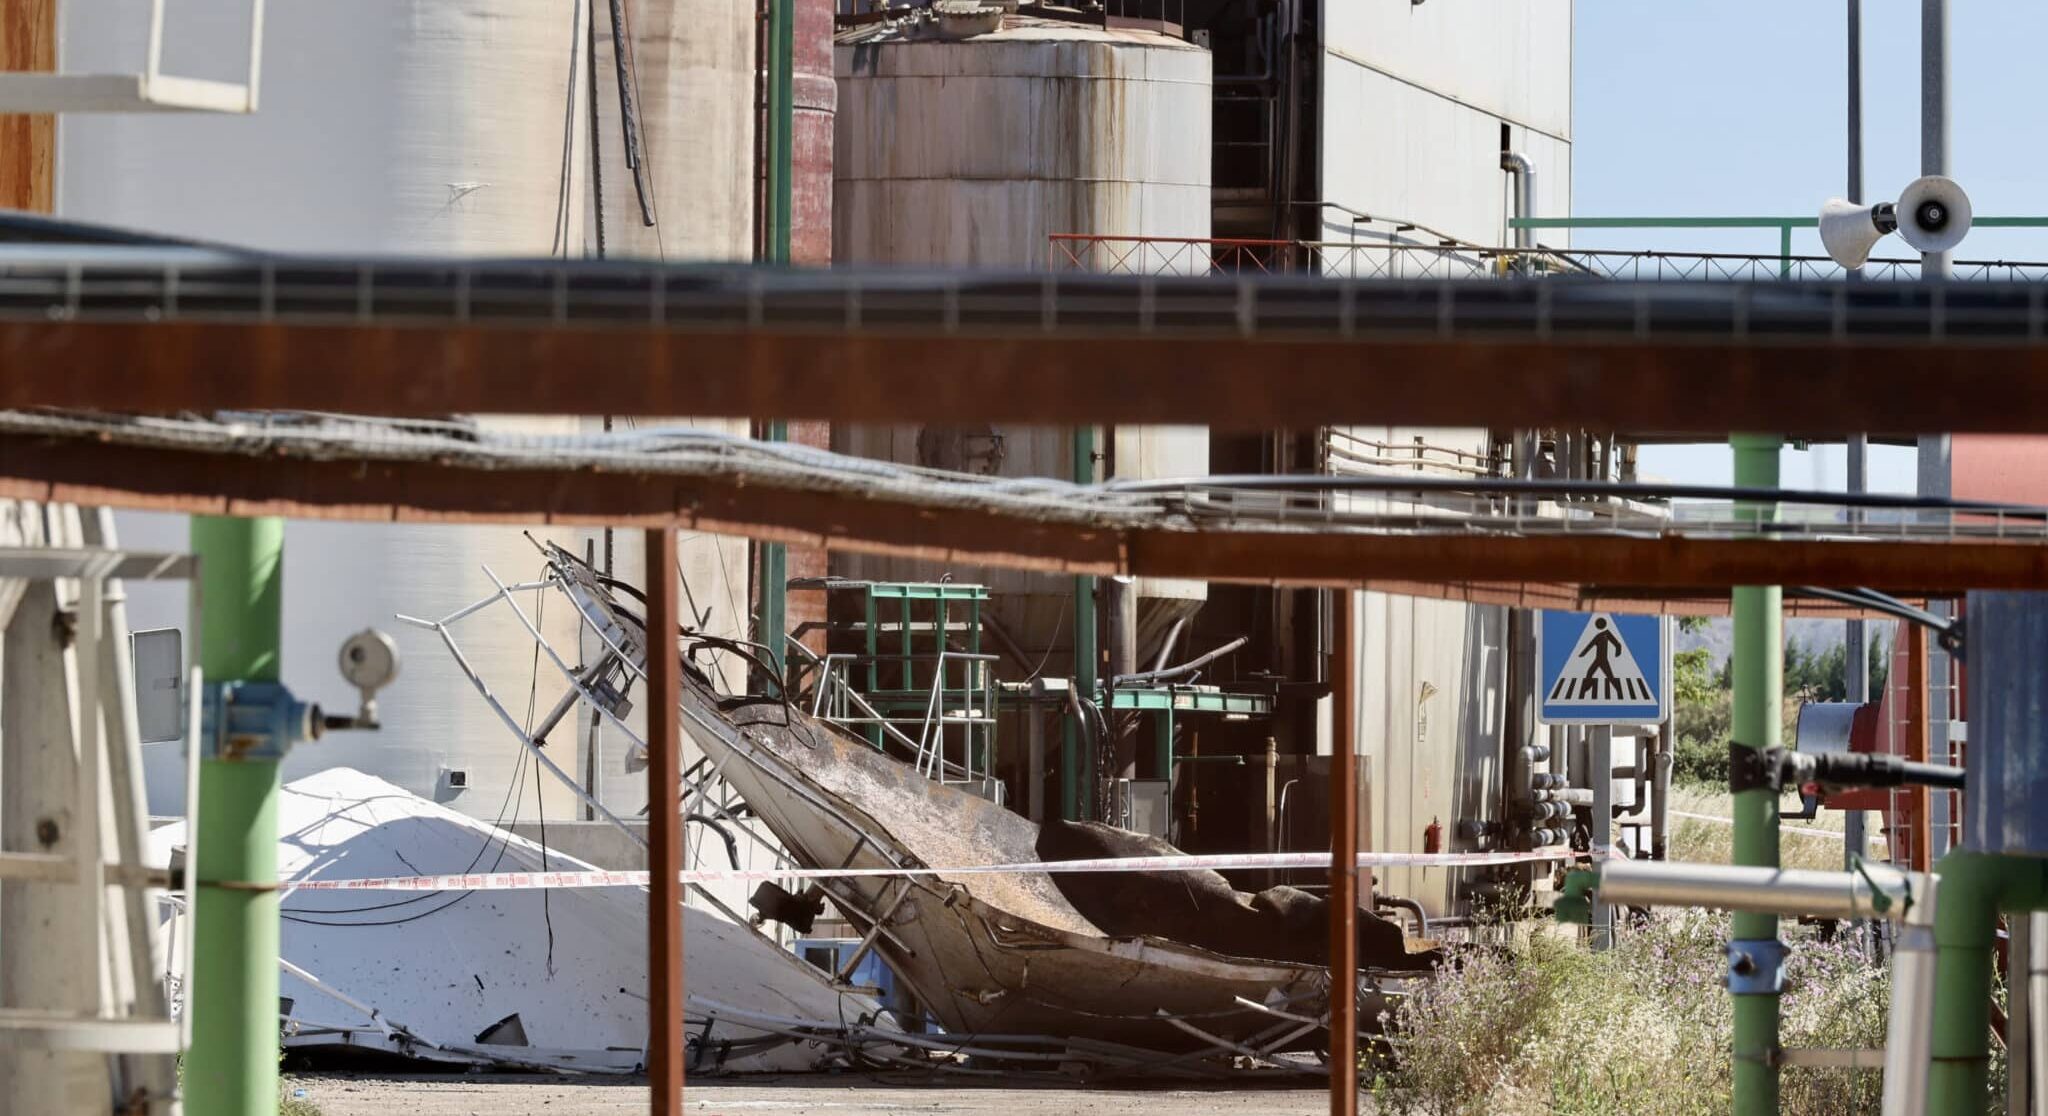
[
  {"x": 422, "y": 127},
  {"x": 975, "y": 151}
]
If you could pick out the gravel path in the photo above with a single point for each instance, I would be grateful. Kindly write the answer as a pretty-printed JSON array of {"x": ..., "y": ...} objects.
[{"x": 505, "y": 1095}]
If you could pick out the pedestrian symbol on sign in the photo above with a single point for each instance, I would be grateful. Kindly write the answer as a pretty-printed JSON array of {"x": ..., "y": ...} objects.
[
  {"x": 1603, "y": 654},
  {"x": 1593, "y": 668}
]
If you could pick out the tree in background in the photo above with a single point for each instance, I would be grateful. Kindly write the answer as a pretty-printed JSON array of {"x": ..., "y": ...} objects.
[{"x": 1702, "y": 709}]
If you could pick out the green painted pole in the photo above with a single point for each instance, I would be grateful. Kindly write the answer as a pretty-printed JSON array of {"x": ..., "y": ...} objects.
[
  {"x": 781, "y": 184},
  {"x": 1759, "y": 689},
  {"x": 1077, "y": 764},
  {"x": 231, "y": 1069}
]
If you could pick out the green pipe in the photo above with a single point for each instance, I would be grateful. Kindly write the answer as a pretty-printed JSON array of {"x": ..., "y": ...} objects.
[
  {"x": 1077, "y": 765},
  {"x": 781, "y": 185},
  {"x": 1759, "y": 693},
  {"x": 782, "y": 128},
  {"x": 238, "y": 611},
  {"x": 775, "y": 590},
  {"x": 1975, "y": 887}
]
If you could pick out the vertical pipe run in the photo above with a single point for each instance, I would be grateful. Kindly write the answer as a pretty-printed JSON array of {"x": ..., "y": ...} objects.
[
  {"x": 1759, "y": 693},
  {"x": 1343, "y": 864},
  {"x": 2036, "y": 1051},
  {"x": 1077, "y": 763},
  {"x": 664, "y": 830},
  {"x": 774, "y": 623},
  {"x": 237, "y": 609},
  {"x": 1600, "y": 762},
  {"x": 1909, "y": 1024}
]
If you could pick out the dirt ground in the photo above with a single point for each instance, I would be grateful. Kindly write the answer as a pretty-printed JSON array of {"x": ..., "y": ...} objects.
[{"x": 505, "y": 1095}]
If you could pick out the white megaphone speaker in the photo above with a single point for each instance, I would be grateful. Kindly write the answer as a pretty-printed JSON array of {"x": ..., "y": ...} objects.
[
  {"x": 1933, "y": 214},
  {"x": 1849, "y": 231}
]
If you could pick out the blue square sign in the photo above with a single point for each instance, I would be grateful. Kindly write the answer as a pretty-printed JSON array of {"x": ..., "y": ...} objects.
[{"x": 1598, "y": 668}]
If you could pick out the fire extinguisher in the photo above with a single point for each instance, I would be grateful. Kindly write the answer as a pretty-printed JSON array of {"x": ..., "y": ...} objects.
[{"x": 1433, "y": 837}]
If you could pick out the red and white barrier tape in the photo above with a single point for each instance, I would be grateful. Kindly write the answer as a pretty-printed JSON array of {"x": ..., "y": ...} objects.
[{"x": 521, "y": 881}]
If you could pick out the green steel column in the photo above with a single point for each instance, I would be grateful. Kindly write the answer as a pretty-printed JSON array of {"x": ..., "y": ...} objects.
[
  {"x": 781, "y": 182},
  {"x": 231, "y": 1069},
  {"x": 1759, "y": 690},
  {"x": 1077, "y": 765}
]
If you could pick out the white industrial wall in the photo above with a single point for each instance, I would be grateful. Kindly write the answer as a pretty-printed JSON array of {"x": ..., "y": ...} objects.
[
  {"x": 426, "y": 127},
  {"x": 1414, "y": 97}
]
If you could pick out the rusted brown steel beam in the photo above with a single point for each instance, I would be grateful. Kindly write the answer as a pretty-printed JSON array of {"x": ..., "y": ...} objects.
[
  {"x": 1530, "y": 571},
  {"x": 664, "y": 829},
  {"x": 1815, "y": 387},
  {"x": 1666, "y": 562},
  {"x": 1343, "y": 864}
]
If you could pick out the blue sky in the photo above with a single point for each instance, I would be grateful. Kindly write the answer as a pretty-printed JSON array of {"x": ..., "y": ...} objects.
[{"x": 1736, "y": 107}]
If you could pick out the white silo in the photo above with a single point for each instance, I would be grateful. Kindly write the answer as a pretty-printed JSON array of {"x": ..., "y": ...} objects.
[
  {"x": 976, "y": 151},
  {"x": 428, "y": 127}
]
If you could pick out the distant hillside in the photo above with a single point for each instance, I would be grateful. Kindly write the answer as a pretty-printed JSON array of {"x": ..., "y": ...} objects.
[{"x": 1815, "y": 636}]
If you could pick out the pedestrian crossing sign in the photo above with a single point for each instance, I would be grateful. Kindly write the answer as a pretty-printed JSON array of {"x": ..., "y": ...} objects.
[{"x": 1602, "y": 669}]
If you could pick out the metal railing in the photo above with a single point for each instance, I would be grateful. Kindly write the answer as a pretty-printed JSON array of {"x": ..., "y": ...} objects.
[
  {"x": 1151, "y": 255},
  {"x": 962, "y": 715}
]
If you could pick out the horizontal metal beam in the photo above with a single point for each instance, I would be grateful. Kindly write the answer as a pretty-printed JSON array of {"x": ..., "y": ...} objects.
[
  {"x": 1657, "y": 572},
  {"x": 424, "y": 339},
  {"x": 1226, "y": 382}
]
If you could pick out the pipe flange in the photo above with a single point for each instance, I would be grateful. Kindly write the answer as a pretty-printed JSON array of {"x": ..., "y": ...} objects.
[
  {"x": 1754, "y": 768},
  {"x": 1756, "y": 966}
]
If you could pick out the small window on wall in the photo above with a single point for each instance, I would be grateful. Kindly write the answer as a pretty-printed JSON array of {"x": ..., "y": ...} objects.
[{"x": 159, "y": 657}]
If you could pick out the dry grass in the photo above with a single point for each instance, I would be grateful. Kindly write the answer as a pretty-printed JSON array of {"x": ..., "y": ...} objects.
[
  {"x": 1799, "y": 846},
  {"x": 1643, "y": 1029}
]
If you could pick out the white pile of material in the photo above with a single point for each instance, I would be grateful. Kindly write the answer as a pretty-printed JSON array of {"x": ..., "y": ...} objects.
[{"x": 448, "y": 973}]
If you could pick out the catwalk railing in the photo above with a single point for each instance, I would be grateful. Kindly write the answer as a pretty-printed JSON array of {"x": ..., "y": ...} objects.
[{"x": 1377, "y": 259}]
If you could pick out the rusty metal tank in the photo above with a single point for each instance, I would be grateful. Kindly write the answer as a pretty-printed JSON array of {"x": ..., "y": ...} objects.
[{"x": 974, "y": 151}]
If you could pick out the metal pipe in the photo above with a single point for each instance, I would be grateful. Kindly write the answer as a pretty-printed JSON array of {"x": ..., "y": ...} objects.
[
  {"x": 1524, "y": 173},
  {"x": 1878, "y": 891},
  {"x": 1343, "y": 898},
  {"x": 1077, "y": 769},
  {"x": 1759, "y": 694},
  {"x": 1166, "y": 645},
  {"x": 1660, "y": 793},
  {"x": 1600, "y": 755},
  {"x": 2036, "y": 1053},
  {"x": 665, "y": 1035},
  {"x": 232, "y": 1066},
  {"x": 1188, "y": 667},
  {"x": 1909, "y": 1030},
  {"x": 1412, "y": 906}
]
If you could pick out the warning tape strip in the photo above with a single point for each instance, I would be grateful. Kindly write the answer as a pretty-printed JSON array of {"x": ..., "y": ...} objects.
[{"x": 521, "y": 881}]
